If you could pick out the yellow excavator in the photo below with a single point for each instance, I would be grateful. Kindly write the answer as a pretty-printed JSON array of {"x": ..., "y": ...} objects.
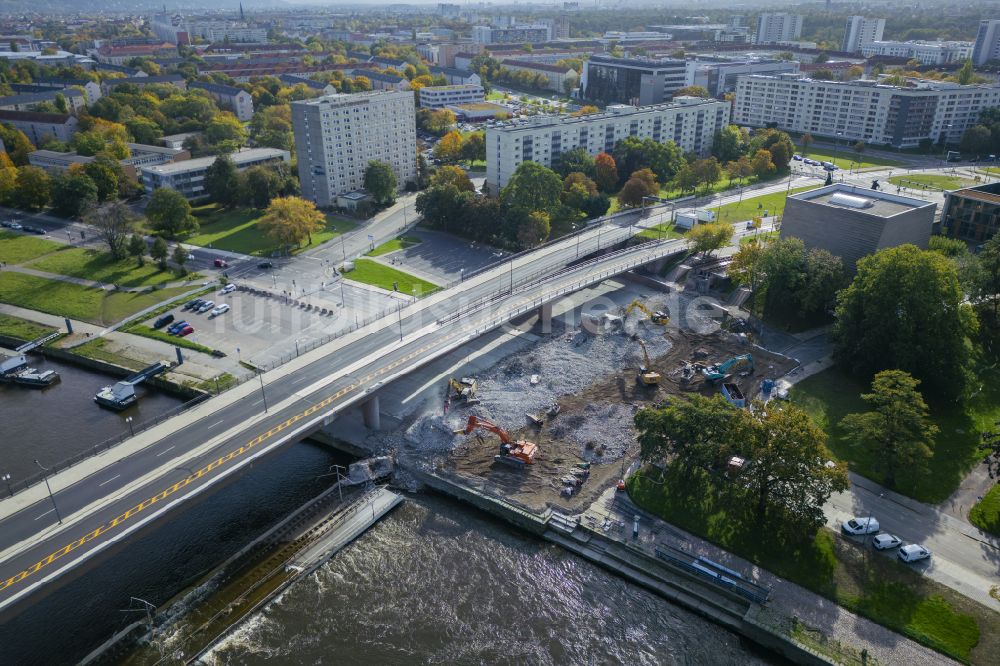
[
  {"x": 646, "y": 375},
  {"x": 465, "y": 389},
  {"x": 659, "y": 317}
]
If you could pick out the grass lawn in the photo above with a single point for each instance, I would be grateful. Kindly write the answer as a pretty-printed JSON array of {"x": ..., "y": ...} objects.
[
  {"x": 830, "y": 395},
  {"x": 236, "y": 231},
  {"x": 660, "y": 231},
  {"x": 18, "y": 248},
  {"x": 153, "y": 334},
  {"x": 672, "y": 193},
  {"x": 932, "y": 180},
  {"x": 70, "y": 300},
  {"x": 846, "y": 158},
  {"x": 23, "y": 329},
  {"x": 394, "y": 245},
  {"x": 374, "y": 273},
  {"x": 97, "y": 350},
  {"x": 100, "y": 267},
  {"x": 773, "y": 204},
  {"x": 872, "y": 585},
  {"x": 986, "y": 514}
]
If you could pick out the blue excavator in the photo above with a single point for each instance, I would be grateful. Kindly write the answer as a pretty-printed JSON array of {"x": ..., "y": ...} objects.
[{"x": 735, "y": 365}]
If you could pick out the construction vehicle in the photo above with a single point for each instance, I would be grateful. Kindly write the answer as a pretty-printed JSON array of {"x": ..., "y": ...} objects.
[
  {"x": 517, "y": 453},
  {"x": 659, "y": 317},
  {"x": 737, "y": 364},
  {"x": 465, "y": 389},
  {"x": 646, "y": 375}
]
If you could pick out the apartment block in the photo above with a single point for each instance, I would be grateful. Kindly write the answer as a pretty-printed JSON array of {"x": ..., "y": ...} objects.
[
  {"x": 188, "y": 177},
  {"x": 513, "y": 34},
  {"x": 719, "y": 76},
  {"x": 987, "y": 45},
  {"x": 28, "y": 101},
  {"x": 860, "y": 32},
  {"x": 778, "y": 27},
  {"x": 438, "y": 97},
  {"x": 972, "y": 214},
  {"x": 690, "y": 122},
  {"x": 337, "y": 135},
  {"x": 39, "y": 127},
  {"x": 231, "y": 98},
  {"x": 928, "y": 53},
  {"x": 865, "y": 110},
  {"x": 558, "y": 78},
  {"x": 636, "y": 81}
]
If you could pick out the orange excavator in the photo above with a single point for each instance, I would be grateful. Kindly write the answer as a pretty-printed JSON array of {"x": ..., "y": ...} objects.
[{"x": 512, "y": 452}]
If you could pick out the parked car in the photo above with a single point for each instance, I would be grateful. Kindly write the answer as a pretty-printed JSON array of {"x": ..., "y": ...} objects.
[
  {"x": 265, "y": 264},
  {"x": 193, "y": 303},
  {"x": 830, "y": 166},
  {"x": 860, "y": 526},
  {"x": 176, "y": 327},
  {"x": 228, "y": 289},
  {"x": 222, "y": 309},
  {"x": 913, "y": 553},
  {"x": 205, "y": 307},
  {"x": 797, "y": 158},
  {"x": 187, "y": 330},
  {"x": 15, "y": 226},
  {"x": 35, "y": 230},
  {"x": 163, "y": 321},
  {"x": 886, "y": 541},
  {"x": 220, "y": 263},
  {"x": 7, "y": 224}
]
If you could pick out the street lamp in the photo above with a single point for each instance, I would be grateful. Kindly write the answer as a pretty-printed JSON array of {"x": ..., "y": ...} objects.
[
  {"x": 6, "y": 479},
  {"x": 128, "y": 420},
  {"x": 260, "y": 376},
  {"x": 47, "y": 486}
]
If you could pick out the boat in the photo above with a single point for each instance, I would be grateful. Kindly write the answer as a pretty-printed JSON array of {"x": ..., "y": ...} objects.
[
  {"x": 10, "y": 367},
  {"x": 118, "y": 397},
  {"x": 36, "y": 378}
]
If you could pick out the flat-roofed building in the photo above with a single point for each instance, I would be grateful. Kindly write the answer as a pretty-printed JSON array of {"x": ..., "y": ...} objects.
[
  {"x": 972, "y": 214},
  {"x": 438, "y": 97},
  {"x": 39, "y": 127},
  {"x": 851, "y": 222},
  {"x": 638, "y": 81},
  {"x": 230, "y": 98},
  {"x": 188, "y": 177},
  {"x": 28, "y": 101}
]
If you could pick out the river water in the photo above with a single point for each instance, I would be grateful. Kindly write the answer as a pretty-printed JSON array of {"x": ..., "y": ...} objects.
[{"x": 60, "y": 421}]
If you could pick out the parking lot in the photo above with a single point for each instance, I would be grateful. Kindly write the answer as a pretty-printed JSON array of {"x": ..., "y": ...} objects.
[{"x": 442, "y": 257}]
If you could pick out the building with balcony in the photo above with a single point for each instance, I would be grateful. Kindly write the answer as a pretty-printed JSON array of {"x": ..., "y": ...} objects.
[{"x": 188, "y": 177}]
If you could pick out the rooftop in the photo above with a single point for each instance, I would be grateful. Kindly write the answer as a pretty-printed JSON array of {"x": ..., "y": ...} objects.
[
  {"x": 217, "y": 88},
  {"x": 616, "y": 111},
  {"x": 241, "y": 157},
  {"x": 457, "y": 86},
  {"x": 480, "y": 106},
  {"x": 861, "y": 200},
  {"x": 349, "y": 98},
  {"x": 36, "y": 117}
]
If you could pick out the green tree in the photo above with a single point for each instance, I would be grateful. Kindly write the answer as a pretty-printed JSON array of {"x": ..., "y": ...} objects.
[
  {"x": 452, "y": 175},
  {"x": 225, "y": 132},
  {"x": 534, "y": 230},
  {"x": 805, "y": 141},
  {"x": 159, "y": 252},
  {"x": 686, "y": 179},
  {"x": 137, "y": 249},
  {"x": 823, "y": 277},
  {"x": 114, "y": 222},
  {"x": 473, "y": 148},
  {"x": 777, "y": 143},
  {"x": 730, "y": 143},
  {"x": 897, "y": 432},
  {"x": 707, "y": 238},
  {"x": 169, "y": 213},
  {"x": 73, "y": 193},
  {"x": 576, "y": 160},
  {"x": 965, "y": 74},
  {"x": 107, "y": 175},
  {"x": 707, "y": 171},
  {"x": 986, "y": 283},
  {"x": 180, "y": 257},
  {"x": 904, "y": 310},
  {"x": 259, "y": 185},
  {"x": 696, "y": 434},
  {"x": 532, "y": 187},
  {"x": 222, "y": 182},
  {"x": 975, "y": 140},
  {"x": 693, "y": 91},
  {"x": 290, "y": 220},
  {"x": 380, "y": 182},
  {"x": 33, "y": 188},
  {"x": 633, "y": 153}
]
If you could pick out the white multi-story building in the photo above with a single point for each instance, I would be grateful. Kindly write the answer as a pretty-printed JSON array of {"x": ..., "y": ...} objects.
[
  {"x": 512, "y": 34},
  {"x": 987, "y": 42},
  {"x": 719, "y": 75},
  {"x": 778, "y": 27},
  {"x": 336, "y": 136},
  {"x": 865, "y": 110},
  {"x": 928, "y": 53},
  {"x": 861, "y": 31},
  {"x": 690, "y": 122},
  {"x": 438, "y": 97},
  {"x": 188, "y": 177}
]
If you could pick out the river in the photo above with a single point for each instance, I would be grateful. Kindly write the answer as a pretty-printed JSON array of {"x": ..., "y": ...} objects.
[{"x": 60, "y": 421}]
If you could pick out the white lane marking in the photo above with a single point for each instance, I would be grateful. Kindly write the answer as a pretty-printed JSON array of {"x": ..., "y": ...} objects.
[
  {"x": 217, "y": 423},
  {"x": 45, "y": 514},
  {"x": 257, "y": 403},
  {"x": 300, "y": 379},
  {"x": 164, "y": 451},
  {"x": 109, "y": 480}
]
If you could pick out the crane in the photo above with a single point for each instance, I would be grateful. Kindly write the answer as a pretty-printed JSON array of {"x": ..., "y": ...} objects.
[
  {"x": 518, "y": 452},
  {"x": 659, "y": 317},
  {"x": 714, "y": 373},
  {"x": 646, "y": 376}
]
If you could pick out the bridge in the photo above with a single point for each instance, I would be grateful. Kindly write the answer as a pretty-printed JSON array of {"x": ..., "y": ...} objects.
[{"x": 44, "y": 535}]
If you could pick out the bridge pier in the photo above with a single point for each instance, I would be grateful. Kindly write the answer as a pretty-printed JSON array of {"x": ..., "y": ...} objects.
[
  {"x": 545, "y": 317},
  {"x": 370, "y": 413}
]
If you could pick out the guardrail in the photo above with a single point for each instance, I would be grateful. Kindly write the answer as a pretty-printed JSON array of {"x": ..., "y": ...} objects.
[{"x": 714, "y": 573}]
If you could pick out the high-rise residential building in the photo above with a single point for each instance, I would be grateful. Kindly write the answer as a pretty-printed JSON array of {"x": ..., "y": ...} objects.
[
  {"x": 865, "y": 110},
  {"x": 637, "y": 81},
  {"x": 927, "y": 53},
  {"x": 336, "y": 136},
  {"x": 690, "y": 122},
  {"x": 860, "y": 32},
  {"x": 777, "y": 27},
  {"x": 512, "y": 34},
  {"x": 987, "y": 42}
]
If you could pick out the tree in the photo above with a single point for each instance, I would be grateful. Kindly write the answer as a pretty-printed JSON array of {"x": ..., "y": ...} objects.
[
  {"x": 8, "y": 178},
  {"x": 805, "y": 141},
  {"x": 16, "y": 144},
  {"x": 534, "y": 230},
  {"x": 222, "y": 181},
  {"x": 605, "y": 172},
  {"x": 262, "y": 183},
  {"x": 577, "y": 160},
  {"x": 904, "y": 310},
  {"x": 225, "y": 132},
  {"x": 823, "y": 277},
  {"x": 975, "y": 139},
  {"x": 686, "y": 179},
  {"x": 897, "y": 432},
  {"x": 730, "y": 143},
  {"x": 986, "y": 283},
  {"x": 576, "y": 178},
  {"x": 965, "y": 74},
  {"x": 380, "y": 182},
  {"x": 72, "y": 193},
  {"x": 636, "y": 189},
  {"x": 761, "y": 163},
  {"x": 107, "y": 175},
  {"x": 473, "y": 148},
  {"x": 585, "y": 110},
  {"x": 114, "y": 222},
  {"x": 777, "y": 143},
  {"x": 159, "y": 252},
  {"x": 452, "y": 175},
  {"x": 290, "y": 220},
  {"x": 33, "y": 188},
  {"x": 693, "y": 91},
  {"x": 740, "y": 169},
  {"x": 169, "y": 213},
  {"x": 707, "y": 171},
  {"x": 633, "y": 153},
  {"x": 136, "y": 248},
  {"x": 694, "y": 434},
  {"x": 707, "y": 238},
  {"x": 859, "y": 149},
  {"x": 180, "y": 256},
  {"x": 532, "y": 187},
  {"x": 448, "y": 149}
]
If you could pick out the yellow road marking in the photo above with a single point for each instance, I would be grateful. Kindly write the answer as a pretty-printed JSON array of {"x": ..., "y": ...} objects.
[{"x": 215, "y": 464}]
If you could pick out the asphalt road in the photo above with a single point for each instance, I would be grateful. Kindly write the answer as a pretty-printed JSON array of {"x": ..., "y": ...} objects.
[{"x": 293, "y": 399}]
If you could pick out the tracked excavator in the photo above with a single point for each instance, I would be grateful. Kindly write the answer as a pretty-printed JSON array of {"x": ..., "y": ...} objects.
[
  {"x": 646, "y": 375},
  {"x": 737, "y": 364},
  {"x": 517, "y": 453},
  {"x": 659, "y": 317},
  {"x": 465, "y": 389}
]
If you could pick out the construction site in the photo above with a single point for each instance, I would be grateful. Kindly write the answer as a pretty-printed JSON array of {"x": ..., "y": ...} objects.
[{"x": 550, "y": 423}]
